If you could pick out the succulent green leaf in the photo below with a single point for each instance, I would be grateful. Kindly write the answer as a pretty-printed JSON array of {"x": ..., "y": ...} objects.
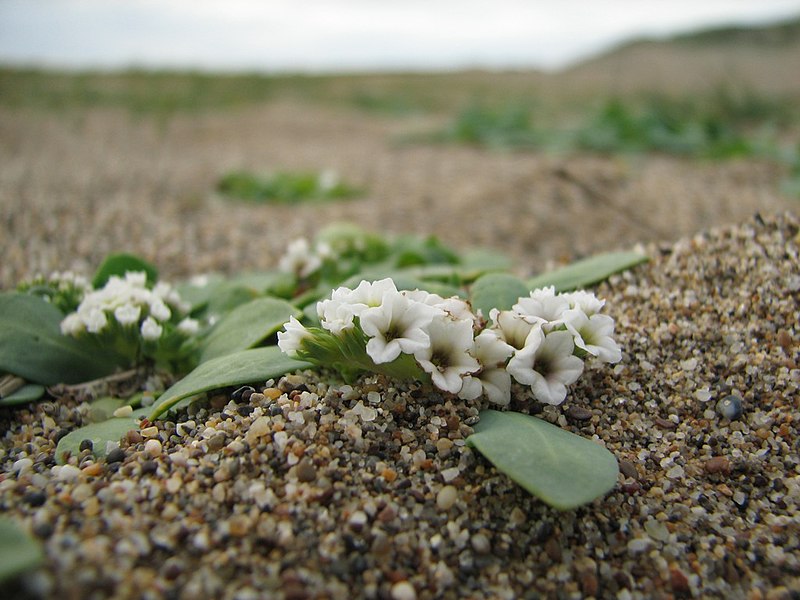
[
  {"x": 588, "y": 271},
  {"x": 246, "y": 326},
  {"x": 247, "y": 366},
  {"x": 119, "y": 264},
  {"x": 19, "y": 552},
  {"x": 27, "y": 393},
  {"x": 562, "y": 469},
  {"x": 110, "y": 430},
  {"x": 496, "y": 290},
  {"x": 33, "y": 347}
]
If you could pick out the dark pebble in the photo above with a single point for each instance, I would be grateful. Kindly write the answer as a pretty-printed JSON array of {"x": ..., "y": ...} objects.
[
  {"x": 86, "y": 445},
  {"x": 665, "y": 423},
  {"x": 43, "y": 530},
  {"x": 242, "y": 394},
  {"x": 34, "y": 498},
  {"x": 149, "y": 467},
  {"x": 305, "y": 471},
  {"x": 579, "y": 413},
  {"x": 245, "y": 410},
  {"x": 553, "y": 549},
  {"x": 60, "y": 434},
  {"x": 216, "y": 443},
  {"x": 115, "y": 456},
  {"x": 730, "y": 407},
  {"x": 628, "y": 469}
]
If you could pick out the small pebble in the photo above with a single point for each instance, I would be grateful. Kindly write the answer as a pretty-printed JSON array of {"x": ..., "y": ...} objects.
[
  {"x": 115, "y": 456},
  {"x": 305, "y": 471},
  {"x": 149, "y": 432},
  {"x": 152, "y": 448},
  {"x": 480, "y": 543},
  {"x": 730, "y": 407},
  {"x": 123, "y": 411},
  {"x": 403, "y": 590},
  {"x": 446, "y": 497},
  {"x": 579, "y": 413},
  {"x": 718, "y": 464}
]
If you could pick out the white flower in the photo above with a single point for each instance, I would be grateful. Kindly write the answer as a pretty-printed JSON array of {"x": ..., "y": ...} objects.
[
  {"x": 447, "y": 356},
  {"x": 593, "y": 334},
  {"x": 72, "y": 325},
  {"x": 290, "y": 340},
  {"x": 543, "y": 304},
  {"x": 127, "y": 314},
  {"x": 299, "y": 259},
  {"x": 492, "y": 380},
  {"x": 585, "y": 301},
  {"x": 512, "y": 327},
  {"x": 495, "y": 384},
  {"x": 367, "y": 293},
  {"x": 95, "y": 319},
  {"x": 336, "y": 314},
  {"x": 397, "y": 325},
  {"x": 327, "y": 180},
  {"x": 454, "y": 306},
  {"x": 547, "y": 365},
  {"x": 136, "y": 278},
  {"x": 151, "y": 330},
  {"x": 189, "y": 326},
  {"x": 159, "y": 311}
]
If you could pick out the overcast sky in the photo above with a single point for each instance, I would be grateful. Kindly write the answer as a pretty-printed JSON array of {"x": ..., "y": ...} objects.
[{"x": 347, "y": 35}]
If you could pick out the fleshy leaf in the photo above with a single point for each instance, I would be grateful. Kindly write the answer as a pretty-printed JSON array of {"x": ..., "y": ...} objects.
[
  {"x": 247, "y": 325},
  {"x": 19, "y": 552},
  {"x": 564, "y": 470},
  {"x": 496, "y": 290},
  {"x": 110, "y": 430},
  {"x": 587, "y": 272},
  {"x": 27, "y": 393},
  {"x": 33, "y": 347},
  {"x": 119, "y": 264},
  {"x": 247, "y": 366}
]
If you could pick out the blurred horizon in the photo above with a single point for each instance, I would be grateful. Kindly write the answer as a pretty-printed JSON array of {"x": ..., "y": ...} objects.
[{"x": 348, "y": 36}]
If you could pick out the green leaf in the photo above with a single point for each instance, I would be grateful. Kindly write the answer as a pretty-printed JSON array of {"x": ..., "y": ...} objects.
[
  {"x": 246, "y": 326},
  {"x": 19, "y": 552},
  {"x": 110, "y": 430},
  {"x": 484, "y": 260},
  {"x": 588, "y": 271},
  {"x": 563, "y": 469},
  {"x": 27, "y": 393},
  {"x": 247, "y": 366},
  {"x": 119, "y": 264},
  {"x": 496, "y": 290},
  {"x": 32, "y": 346}
]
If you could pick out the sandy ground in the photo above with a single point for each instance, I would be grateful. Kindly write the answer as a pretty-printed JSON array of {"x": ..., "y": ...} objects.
[{"x": 75, "y": 187}]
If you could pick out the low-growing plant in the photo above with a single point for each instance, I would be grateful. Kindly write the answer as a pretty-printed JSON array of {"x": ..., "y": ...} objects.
[
  {"x": 508, "y": 126},
  {"x": 459, "y": 322},
  {"x": 286, "y": 187}
]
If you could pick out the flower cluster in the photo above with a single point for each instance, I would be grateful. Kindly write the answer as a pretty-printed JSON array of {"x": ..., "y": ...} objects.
[
  {"x": 63, "y": 289},
  {"x": 134, "y": 321},
  {"x": 302, "y": 259},
  {"x": 540, "y": 342}
]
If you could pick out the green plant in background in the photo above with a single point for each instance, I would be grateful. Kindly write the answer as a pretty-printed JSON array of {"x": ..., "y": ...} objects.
[
  {"x": 505, "y": 127},
  {"x": 286, "y": 187}
]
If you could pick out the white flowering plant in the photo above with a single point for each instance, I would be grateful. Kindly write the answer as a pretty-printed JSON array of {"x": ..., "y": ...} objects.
[
  {"x": 135, "y": 322},
  {"x": 407, "y": 308},
  {"x": 541, "y": 342}
]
